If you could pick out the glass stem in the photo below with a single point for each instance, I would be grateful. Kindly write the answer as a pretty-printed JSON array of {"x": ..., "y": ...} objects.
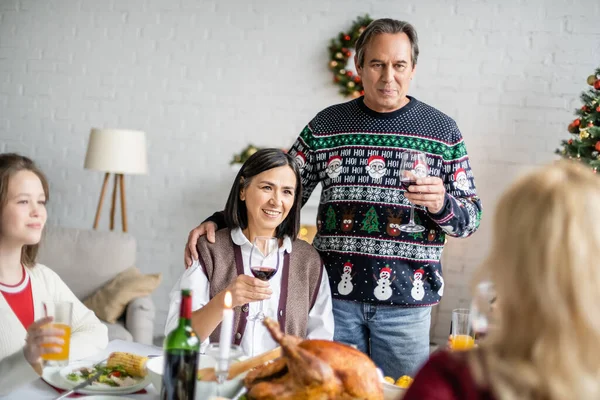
[
  {"x": 412, "y": 214},
  {"x": 262, "y": 314}
]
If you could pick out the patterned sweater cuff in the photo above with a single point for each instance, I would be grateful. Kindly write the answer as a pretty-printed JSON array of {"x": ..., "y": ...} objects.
[{"x": 446, "y": 213}]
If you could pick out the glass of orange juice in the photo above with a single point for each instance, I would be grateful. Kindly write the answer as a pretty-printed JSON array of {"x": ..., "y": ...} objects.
[
  {"x": 462, "y": 335},
  {"x": 62, "y": 313}
]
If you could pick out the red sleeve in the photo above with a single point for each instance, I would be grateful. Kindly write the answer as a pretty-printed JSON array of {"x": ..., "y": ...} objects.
[{"x": 445, "y": 376}]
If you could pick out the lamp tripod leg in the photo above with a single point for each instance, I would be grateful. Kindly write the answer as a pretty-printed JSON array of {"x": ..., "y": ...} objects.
[
  {"x": 123, "y": 206},
  {"x": 102, "y": 193},
  {"x": 113, "y": 203}
]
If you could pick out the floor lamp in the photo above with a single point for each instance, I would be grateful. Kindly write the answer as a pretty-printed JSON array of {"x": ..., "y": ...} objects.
[{"x": 117, "y": 152}]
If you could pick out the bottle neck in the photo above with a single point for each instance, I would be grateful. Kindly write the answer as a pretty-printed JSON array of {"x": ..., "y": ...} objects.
[{"x": 185, "y": 311}]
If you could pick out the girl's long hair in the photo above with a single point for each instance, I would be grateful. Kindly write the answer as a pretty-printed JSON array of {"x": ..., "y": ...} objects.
[{"x": 10, "y": 164}]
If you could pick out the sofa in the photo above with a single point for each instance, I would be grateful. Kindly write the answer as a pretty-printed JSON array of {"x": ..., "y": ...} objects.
[{"x": 88, "y": 259}]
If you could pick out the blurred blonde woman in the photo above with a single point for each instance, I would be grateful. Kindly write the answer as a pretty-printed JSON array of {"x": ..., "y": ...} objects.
[{"x": 544, "y": 264}]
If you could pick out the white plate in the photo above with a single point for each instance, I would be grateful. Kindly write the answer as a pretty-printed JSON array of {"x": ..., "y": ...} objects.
[
  {"x": 52, "y": 375},
  {"x": 102, "y": 397}
]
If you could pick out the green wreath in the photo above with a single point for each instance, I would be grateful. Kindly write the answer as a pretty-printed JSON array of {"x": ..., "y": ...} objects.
[{"x": 339, "y": 53}]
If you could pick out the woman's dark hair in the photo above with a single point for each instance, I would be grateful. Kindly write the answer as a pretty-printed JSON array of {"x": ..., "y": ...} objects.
[
  {"x": 10, "y": 164},
  {"x": 236, "y": 214}
]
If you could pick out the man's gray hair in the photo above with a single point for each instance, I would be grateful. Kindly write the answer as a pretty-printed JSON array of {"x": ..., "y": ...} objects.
[{"x": 386, "y": 25}]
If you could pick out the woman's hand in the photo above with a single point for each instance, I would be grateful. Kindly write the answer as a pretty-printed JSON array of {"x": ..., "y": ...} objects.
[
  {"x": 39, "y": 334},
  {"x": 246, "y": 289}
]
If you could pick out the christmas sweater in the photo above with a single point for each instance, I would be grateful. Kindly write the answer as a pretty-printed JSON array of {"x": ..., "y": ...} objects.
[{"x": 355, "y": 152}]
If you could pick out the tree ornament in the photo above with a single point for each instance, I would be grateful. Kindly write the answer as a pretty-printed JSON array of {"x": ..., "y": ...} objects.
[
  {"x": 585, "y": 108},
  {"x": 584, "y": 134},
  {"x": 340, "y": 51},
  {"x": 570, "y": 142},
  {"x": 357, "y": 79},
  {"x": 351, "y": 84},
  {"x": 598, "y": 109},
  {"x": 356, "y": 94},
  {"x": 591, "y": 80},
  {"x": 590, "y": 124},
  {"x": 597, "y": 85},
  {"x": 577, "y": 122},
  {"x": 572, "y": 128},
  {"x": 597, "y": 146},
  {"x": 595, "y": 153}
]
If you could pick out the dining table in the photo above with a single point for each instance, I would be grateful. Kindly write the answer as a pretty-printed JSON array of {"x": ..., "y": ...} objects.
[{"x": 39, "y": 389}]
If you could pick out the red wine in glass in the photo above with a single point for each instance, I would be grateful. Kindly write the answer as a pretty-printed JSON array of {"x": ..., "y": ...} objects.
[
  {"x": 263, "y": 248},
  {"x": 263, "y": 273},
  {"x": 405, "y": 183}
]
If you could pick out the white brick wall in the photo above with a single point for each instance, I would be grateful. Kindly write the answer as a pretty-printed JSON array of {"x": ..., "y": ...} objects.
[{"x": 204, "y": 78}]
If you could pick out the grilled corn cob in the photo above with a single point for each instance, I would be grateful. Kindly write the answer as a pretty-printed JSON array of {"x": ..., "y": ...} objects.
[{"x": 134, "y": 365}]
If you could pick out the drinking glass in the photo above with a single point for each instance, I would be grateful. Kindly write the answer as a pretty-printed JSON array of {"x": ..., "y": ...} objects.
[
  {"x": 62, "y": 313},
  {"x": 413, "y": 166},
  {"x": 222, "y": 364},
  {"x": 462, "y": 335},
  {"x": 482, "y": 306},
  {"x": 263, "y": 248}
]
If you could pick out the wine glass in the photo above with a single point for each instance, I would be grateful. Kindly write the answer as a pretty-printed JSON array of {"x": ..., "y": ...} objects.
[
  {"x": 260, "y": 265},
  {"x": 413, "y": 166},
  {"x": 482, "y": 308},
  {"x": 222, "y": 364}
]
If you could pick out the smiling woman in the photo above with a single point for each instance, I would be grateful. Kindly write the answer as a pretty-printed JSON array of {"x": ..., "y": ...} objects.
[{"x": 264, "y": 201}]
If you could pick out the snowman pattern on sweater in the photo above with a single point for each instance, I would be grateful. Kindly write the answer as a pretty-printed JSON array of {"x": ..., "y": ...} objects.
[
  {"x": 345, "y": 286},
  {"x": 383, "y": 290},
  {"x": 418, "y": 291}
]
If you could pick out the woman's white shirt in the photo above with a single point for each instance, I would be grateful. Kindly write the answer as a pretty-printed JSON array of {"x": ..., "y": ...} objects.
[{"x": 257, "y": 338}]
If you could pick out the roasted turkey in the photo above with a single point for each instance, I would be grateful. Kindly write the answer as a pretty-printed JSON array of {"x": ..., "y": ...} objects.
[{"x": 314, "y": 370}]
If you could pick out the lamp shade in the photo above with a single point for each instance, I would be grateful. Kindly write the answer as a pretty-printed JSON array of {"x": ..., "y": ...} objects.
[{"x": 118, "y": 151}]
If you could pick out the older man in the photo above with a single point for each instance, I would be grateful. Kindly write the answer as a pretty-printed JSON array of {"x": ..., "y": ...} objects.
[{"x": 390, "y": 278}]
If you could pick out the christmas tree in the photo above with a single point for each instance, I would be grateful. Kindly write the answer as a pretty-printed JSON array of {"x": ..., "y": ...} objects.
[
  {"x": 585, "y": 143},
  {"x": 330, "y": 223},
  {"x": 371, "y": 221}
]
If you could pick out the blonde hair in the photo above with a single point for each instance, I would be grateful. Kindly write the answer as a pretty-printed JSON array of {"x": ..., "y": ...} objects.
[{"x": 543, "y": 263}]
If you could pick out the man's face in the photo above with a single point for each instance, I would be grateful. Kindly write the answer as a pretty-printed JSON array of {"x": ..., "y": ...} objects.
[{"x": 387, "y": 71}]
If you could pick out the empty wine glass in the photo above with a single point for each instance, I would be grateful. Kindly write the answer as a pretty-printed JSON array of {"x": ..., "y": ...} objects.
[
  {"x": 222, "y": 364},
  {"x": 413, "y": 166},
  {"x": 262, "y": 248}
]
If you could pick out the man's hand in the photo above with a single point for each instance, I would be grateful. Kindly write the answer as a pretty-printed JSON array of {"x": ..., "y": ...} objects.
[
  {"x": 246, "y": 289},
  {"x": 207, "y": 228},
  {"x": 428, "y": 192},
  {"x": 39, "y": 341}
]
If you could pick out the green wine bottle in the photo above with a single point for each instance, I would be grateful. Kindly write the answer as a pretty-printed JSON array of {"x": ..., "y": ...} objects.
[{"x": 181, "y": 348}]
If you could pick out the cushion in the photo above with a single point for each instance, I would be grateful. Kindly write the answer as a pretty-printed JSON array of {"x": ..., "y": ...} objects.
[{"x": 110, "y": 301}]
